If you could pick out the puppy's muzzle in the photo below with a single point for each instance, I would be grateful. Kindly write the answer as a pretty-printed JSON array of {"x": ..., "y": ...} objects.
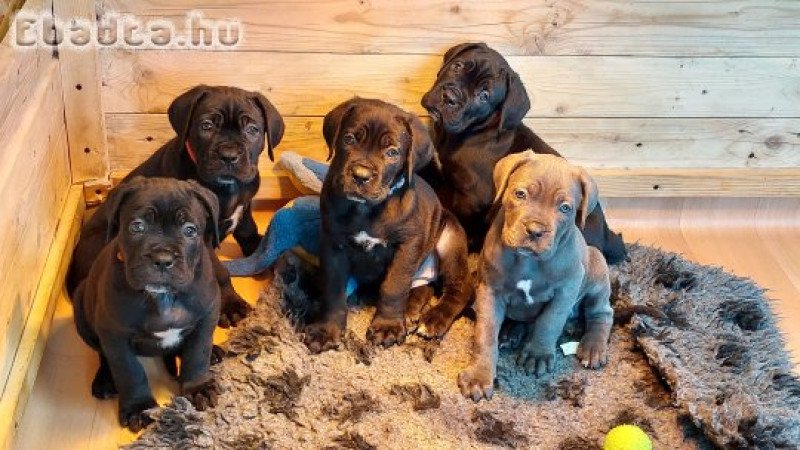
[
  {"x": 536, "y": 231},
  {"x": 229, "y": 156},
  {"x": 450, "y": 97},
  {"x": 162, "y": 260},
  {"x": 361, "y": 174}
]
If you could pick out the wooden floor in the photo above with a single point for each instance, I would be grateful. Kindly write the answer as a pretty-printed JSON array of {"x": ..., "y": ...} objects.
[{"x": 758, "y": 238}]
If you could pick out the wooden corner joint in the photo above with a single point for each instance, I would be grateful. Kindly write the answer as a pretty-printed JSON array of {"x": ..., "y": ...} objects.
[{"x": 96, "y": 191}]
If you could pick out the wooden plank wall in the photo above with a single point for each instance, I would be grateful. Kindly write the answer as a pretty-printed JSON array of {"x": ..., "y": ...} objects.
[
  {"x": 34, "y": 181},
  {"x": 657, "y": 98}
]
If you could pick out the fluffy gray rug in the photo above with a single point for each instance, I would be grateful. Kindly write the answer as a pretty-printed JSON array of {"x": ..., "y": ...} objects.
[{"x": 696, "y": 361}]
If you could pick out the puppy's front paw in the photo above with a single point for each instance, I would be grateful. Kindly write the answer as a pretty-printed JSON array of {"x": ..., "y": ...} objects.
[
  {"x": 593, "y": 352},
  {"x": 435, "y": 323},
  {"x": 386, "y": 332},
  {"x": 412, "y": 319},
  {"x": 536, "y": 360},
  {"x": 476, "y": 382},
  {"x": 132, "y": 414},
  {"x": 203, "y": 395},
  {"x": 234, "y": 310},
  {"x": 323, "y": 336},
  {"x": 103, "y": 386}
]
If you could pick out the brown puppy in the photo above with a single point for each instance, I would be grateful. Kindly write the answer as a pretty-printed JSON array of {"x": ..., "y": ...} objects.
[
  {"x": 535, "y": 267},
  {"x": 477, "y": 105},
  {"x": 151, "y": 291},
  {"x": 221, "y": 133},
  {"x": 380, "y": 222}
]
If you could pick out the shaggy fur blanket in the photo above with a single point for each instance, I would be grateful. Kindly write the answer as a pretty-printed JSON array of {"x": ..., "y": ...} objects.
[{"x": 696, "y": 362}]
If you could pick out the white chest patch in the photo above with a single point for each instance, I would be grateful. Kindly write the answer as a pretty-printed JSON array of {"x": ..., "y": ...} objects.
[
  {"x": 169, "y": 338},
  {"x": 235, "y": 218},
  {"x": 525, "y": 287},
  {"x": 367, "y": 241}
]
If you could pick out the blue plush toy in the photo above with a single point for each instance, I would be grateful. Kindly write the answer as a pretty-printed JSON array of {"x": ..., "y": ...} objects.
[{"x": 295, "y": 225}]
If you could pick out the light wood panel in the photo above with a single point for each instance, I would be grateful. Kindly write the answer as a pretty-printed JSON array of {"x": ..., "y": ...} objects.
[
  {"x": 310, "y": 84},
  {"x": 628, "y": 157},
  {"x": 20, "y": 76},
  {"x": 595, "y": 142},
  {"x": 31, "y": 347},
  {"x": 574, "y": 27},
  {"x": 84, "y": 113},
  {"x": 34, "y": 185}
]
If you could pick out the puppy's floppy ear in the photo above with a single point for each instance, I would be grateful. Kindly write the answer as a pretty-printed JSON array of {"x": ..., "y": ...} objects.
[
  {"x": 505, "y": 167},
  {"x": 273, "y": 123},
  {"x": 116, "y": 198},
  {"x": 182, "y": 108},
  {"x": 589, "y": 195},
  {"x": 333, "y": 121},
  {"x": 516, "y": 103},
  {"x": 420, "y": 150},
  {"x": 211, "y": 204},
  {"x": 456, "y": 50}
]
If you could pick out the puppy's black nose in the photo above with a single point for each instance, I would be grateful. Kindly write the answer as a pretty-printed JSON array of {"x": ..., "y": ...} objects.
[
  {"x": 229, "y": 157},
  {"x": 449, "y": 97},
  {"x": 162, "y": 260},
  {"x": 536, "y": 230},
  {"x": 361, "y": 174}
]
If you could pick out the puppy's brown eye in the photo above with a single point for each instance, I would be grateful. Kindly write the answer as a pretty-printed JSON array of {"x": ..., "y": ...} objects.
[
  {"x": 565, "y": 208},
  {"x": 458, "y": 65},
  {"x": 520, "y": 194},
  {"x": 252, "y": 129},
  {"x": 392, "y": 152},
  {"x": 137, "y": 226},
  {"x": 206, "y": 125},
  {"x": 349, "y": 139},
  {"x": 189, "y": 230},
  {"x": 483, "y": 96}
]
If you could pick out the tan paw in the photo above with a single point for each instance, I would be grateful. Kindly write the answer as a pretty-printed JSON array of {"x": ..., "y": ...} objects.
[
  {"x": 386, "y": 332},
  {"x": 476, "y": 382}
]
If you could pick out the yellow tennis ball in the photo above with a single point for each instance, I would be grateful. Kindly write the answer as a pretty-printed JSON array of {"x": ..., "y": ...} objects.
[{"x": 627, "y": 437}]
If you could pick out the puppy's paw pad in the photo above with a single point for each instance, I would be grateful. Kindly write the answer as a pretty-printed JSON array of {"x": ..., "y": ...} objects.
[
  {"x": 536, "y": 361},
  {"x": 477, "y": 383},
  {"x": 133, "y": 416},
  {"x": 234, "y": 310},
  {"x": 592, "y": 353},
  {"x": 320, "y": 337},
  {"x": 103, "y": 387},
  {"x": 386, "y": 332},
  {"x": 434, "y": 324},
  {"x": 203, "y": 396}
]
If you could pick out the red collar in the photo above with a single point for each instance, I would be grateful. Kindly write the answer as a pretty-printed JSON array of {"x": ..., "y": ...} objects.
[{"x": 191, "y": 152}]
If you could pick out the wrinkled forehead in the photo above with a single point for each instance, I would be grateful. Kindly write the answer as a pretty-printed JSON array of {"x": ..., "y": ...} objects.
[
  {"x": 546, "y": 177},
  {"x": 162, "y": 203},
  {"x": 375, "y": 120},
  {"x": 229, "y": 104},
  {"x": 479, "y": 63}
]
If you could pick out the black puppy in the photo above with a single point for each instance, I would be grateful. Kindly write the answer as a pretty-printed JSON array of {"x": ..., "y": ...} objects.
[
  {"x": 151, "y": 291},
  {"x": 220, "y": 135},
  {"x": 477, "y": 104},
  {"x": 380, "y": 222}
]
